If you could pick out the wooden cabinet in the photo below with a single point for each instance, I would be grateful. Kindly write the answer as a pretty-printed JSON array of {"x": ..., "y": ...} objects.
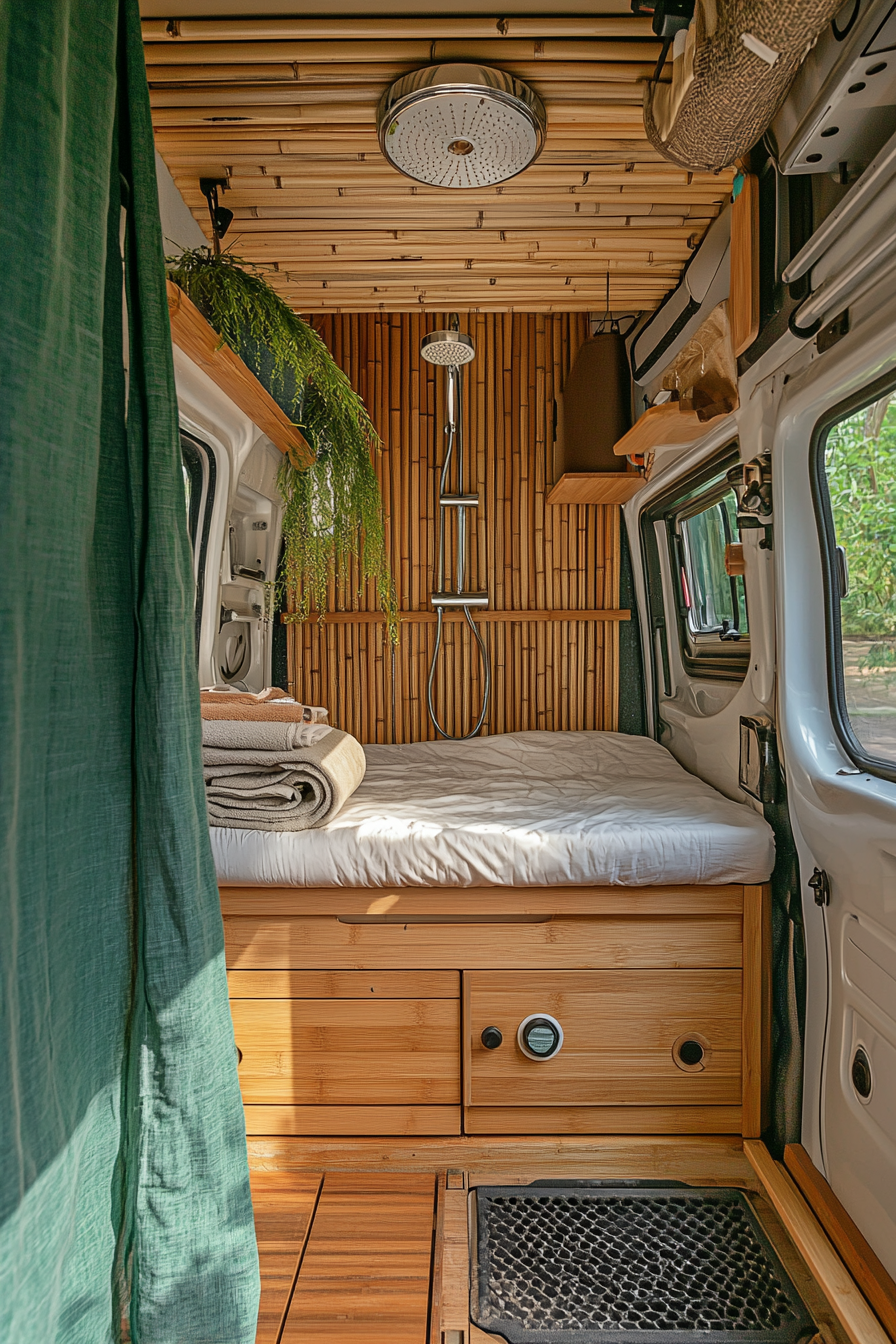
[
  {"x": 622, "y": 1035},
  {"x": 361, "y": 1013},
  {"x": 348, "y": 1052}
]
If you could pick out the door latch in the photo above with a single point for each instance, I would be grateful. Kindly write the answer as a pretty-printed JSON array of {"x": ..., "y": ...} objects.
[{"x": 821, "y": 887}]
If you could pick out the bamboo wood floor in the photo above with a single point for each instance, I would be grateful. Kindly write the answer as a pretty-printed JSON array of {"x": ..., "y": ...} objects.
[{"x": 366, "y": 1241}]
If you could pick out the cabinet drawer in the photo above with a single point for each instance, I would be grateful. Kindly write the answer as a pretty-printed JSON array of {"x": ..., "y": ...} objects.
[
  {"x": 620, "y": 1029},
  {"x": 322, "y": 942},
  {"x": 348, "y": 1052}
]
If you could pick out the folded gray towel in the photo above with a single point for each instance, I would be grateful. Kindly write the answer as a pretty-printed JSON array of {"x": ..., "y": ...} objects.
[
  {"x": 282, "y": 788},
  {"x": 245, "y": 735}
]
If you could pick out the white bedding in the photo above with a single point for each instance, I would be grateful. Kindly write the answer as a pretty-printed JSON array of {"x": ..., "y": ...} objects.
[{"x": 521, "y": 809}]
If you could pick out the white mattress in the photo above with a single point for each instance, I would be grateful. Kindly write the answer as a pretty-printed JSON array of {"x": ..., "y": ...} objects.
[{"x": 521, "y": 809}]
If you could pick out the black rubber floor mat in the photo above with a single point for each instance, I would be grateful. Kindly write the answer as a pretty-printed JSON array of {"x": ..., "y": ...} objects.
[{"x": 629, "y": 1266}]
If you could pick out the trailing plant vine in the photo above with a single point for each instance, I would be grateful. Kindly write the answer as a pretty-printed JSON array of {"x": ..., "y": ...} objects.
[{"x": 333, "y": 509}]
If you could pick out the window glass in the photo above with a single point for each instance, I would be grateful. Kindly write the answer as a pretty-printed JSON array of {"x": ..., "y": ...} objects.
[
  {"x": 860, "y": 466},
  {"x": 193, "y": 462},
  {"x": 188, "y": 492},
  {"x": 690, "y": 529},
  {"x": 714, "y": 602},
  {"x": 199, "y": 474}
]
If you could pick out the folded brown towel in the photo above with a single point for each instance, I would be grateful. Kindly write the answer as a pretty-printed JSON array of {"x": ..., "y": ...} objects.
[
  {"x": 270, "y": 706},
  {"x": 210, "y": 696}
]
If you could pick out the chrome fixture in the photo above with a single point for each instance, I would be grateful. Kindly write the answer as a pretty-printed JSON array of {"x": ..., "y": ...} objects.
[
  {"x": 452, "y": 350},
  {"x": 461, "y": 125}
]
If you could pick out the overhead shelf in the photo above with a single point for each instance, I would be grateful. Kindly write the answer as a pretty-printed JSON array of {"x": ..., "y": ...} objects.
[
  {"x": 663, "y": 427},
  {"x": 191, "y": 333},
  {"x": 596, "y": 487}
]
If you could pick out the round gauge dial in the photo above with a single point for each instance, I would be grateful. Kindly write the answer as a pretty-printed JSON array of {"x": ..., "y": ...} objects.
[{"x": 540, "y": 1036}]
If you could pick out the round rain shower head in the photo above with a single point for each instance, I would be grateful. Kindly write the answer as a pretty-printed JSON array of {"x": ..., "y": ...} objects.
[
  {"x": 461, "y": 125},
  {"x": 447, "y": 347}
]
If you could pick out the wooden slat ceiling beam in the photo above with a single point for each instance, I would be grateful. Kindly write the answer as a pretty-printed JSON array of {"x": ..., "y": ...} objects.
[{"x": 285, "y": 111}]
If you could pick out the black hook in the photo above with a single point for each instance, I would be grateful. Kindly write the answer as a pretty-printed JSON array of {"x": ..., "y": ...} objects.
[{"x": 220, "y": 216}]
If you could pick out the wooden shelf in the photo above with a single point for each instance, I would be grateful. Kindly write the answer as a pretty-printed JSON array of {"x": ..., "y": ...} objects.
[
  {"x": 596, "y": 487},
  {"x": 200, "y": 342},
  {"x": 481, "y": 614},
  {"x": 663, "y": 426},
  {"x": 743, "y": 302}
]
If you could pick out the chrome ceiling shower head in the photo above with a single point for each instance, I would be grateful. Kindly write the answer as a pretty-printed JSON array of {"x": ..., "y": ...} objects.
[
  {"x": 461, "y": 125},
  {"x": 447, "y": 347}
]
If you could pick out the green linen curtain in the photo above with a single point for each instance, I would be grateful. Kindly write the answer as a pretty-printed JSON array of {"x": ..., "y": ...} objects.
[{"x": 124, "y": 1198}]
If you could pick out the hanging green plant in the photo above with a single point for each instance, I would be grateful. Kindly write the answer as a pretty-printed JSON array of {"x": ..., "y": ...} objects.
[{"x": 333, "y": 509}]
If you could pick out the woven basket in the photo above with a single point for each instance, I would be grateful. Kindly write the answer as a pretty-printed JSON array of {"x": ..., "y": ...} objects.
[{"x": 723, "y": 95}]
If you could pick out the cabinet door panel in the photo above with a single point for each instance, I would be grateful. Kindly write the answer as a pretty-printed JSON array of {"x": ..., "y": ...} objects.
[
  {"x": 347, "y": 1052},
  {"x": 619, "y": 1028}
]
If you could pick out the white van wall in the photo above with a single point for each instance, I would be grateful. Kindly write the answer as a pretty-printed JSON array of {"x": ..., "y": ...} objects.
[
  {"x": 211, "y": 417},
  {"x": 179, "y": 229}
]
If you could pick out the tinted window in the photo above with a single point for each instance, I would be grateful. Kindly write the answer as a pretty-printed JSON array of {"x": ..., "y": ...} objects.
[{"x": 694, "y": 525}]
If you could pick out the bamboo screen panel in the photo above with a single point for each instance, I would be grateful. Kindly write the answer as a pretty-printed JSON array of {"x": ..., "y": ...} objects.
[{"x": 546, "y": 674}]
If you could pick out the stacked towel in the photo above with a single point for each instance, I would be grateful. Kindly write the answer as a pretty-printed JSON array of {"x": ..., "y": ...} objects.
[
  {"x": 274, "y": 774},
  {"x": 270, "y": 706}
]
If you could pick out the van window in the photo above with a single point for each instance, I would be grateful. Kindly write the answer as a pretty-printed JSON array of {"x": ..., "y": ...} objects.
[
  {"x": 198, "y": 463},
  {"x": 688, "y": 530},
  {"x": 859, "y": 528},
  {"x": 712, "y": 604}
]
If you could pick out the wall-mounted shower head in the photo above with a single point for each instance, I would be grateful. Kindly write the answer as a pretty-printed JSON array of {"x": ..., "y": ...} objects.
[{"x": 447, "y": 347}]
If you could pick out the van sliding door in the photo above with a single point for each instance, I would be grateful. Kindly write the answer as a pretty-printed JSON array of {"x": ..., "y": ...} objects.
[{"x": 836, "y": 559}]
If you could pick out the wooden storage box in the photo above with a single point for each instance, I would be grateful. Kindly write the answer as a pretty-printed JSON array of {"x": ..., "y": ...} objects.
[{"x": 347, "y": 1009}]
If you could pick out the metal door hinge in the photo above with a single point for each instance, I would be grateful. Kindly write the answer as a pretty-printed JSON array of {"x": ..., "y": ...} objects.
[{"x": 821, "y": 887}]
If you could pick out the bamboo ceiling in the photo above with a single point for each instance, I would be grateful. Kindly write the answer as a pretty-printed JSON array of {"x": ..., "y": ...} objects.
[{"x": 284, "y": 109}]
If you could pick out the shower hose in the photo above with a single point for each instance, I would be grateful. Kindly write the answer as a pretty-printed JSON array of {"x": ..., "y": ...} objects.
[{"x": 454, "y": 601}]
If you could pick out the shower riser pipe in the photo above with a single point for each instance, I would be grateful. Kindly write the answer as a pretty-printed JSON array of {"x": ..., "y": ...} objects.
[{"x": 443, "y": 351}]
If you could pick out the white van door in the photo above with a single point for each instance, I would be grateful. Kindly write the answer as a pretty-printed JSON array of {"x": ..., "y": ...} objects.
[
  {"x": 235, "y": 512},
  {"x": 834, "y": 472}
]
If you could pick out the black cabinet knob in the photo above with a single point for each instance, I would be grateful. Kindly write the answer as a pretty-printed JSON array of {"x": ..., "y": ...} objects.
[{"x": 491, "y": 1038}]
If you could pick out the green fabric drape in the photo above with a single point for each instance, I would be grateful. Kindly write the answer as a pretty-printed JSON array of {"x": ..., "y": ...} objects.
[{"x": 124, "y": 1199}]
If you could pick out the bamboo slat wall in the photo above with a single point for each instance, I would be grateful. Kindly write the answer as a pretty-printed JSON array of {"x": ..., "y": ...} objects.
[{"x": 556, "y": 674}]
